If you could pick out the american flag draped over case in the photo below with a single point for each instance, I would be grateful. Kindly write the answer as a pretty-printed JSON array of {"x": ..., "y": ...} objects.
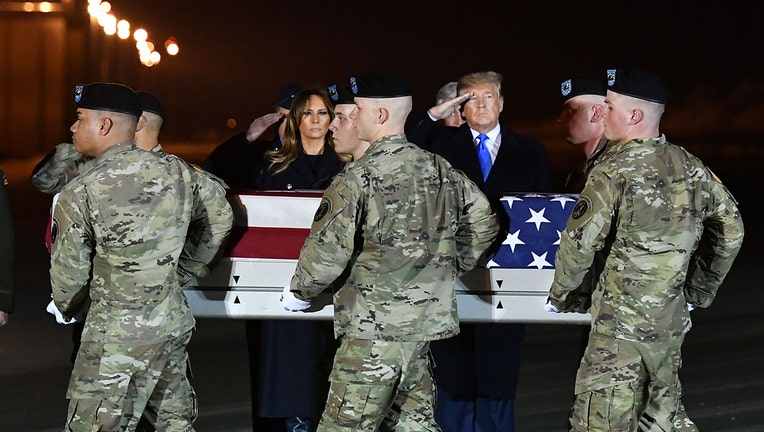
[
  {"x": 271, "y": 228},
  {"x": 535, "y": 225}
]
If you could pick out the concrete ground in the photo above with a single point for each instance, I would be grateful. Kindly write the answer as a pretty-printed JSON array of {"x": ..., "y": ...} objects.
[{"x": 723, "y": 354}]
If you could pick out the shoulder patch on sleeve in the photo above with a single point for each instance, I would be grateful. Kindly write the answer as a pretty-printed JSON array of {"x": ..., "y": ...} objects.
[
  {"x": 582, "y": 206},
  {"x": 323, "y": 208}
]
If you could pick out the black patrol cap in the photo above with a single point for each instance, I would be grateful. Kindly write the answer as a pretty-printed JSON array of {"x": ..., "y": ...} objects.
[
  {"x": 286, "y": 95},
  {"x": 107, "y": 97},
  {"x": 639, "y": 84},
  {"x": 381, "y": 85},
  {"x": 340, "y": 94},
  {"x": 149, "y": 103},
  {"x": 581, "y": 86}
]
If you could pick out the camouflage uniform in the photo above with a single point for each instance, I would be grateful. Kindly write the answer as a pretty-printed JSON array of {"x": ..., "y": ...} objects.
[
  {"x": 574, "y": 184},
  {"x": 576, "y": 180},
  {"x": 402, "y": 225},
  {"x": 126, "y": 234},
  {"x": 669, "y": 231},
  {"x": 59, "y": 167},
  {"x": 64, "y": 163}
]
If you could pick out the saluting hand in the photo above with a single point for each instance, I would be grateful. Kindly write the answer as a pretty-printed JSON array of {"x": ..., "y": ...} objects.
[
  {"x": 446, "y": 108},
  {"x": 260, "y": 124}
]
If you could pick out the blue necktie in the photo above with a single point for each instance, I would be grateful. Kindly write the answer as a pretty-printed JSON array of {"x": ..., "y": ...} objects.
[{"x": 484, "y": 156}]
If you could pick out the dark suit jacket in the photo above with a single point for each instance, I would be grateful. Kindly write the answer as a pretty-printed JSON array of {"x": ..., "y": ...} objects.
[
  {"x": 521, "y": 164},
  {"x": 237, "y": 161},
  {"x": 484, "y": 359}
]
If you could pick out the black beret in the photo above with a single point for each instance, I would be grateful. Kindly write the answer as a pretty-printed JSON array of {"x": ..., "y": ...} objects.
[
  {"x": 286, "y": 95},
  {"x": 151, "y": 104},
  {"x": 639, "y": 84},
  {"x": 581, "y": 86},
  {"x": 381, "y": 85},
  {"x": 340, "y": 94},
  {"x": 107, "y": 97}
]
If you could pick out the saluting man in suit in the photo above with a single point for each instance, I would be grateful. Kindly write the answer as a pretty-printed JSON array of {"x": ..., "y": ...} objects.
[{"x": 477, "y": 370}]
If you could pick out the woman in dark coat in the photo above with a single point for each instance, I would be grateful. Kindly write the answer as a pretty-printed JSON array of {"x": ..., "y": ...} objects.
[{"x": 290, "y": 359}]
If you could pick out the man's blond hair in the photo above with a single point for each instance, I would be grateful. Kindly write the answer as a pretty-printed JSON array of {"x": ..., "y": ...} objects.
[{"x": 479, "y": 78}]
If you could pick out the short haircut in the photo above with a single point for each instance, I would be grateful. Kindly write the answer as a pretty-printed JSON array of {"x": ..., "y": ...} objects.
[{"x": 479, "y": 78}]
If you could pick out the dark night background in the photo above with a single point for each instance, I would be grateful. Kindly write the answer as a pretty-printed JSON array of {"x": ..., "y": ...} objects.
[{"x": 235, "y": 54}]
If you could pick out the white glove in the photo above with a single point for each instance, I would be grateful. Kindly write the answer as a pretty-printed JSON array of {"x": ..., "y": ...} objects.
[
  {"x": 690, "y": 307},
  {"x": 549, "y": 307},
  {"x": 53, "y": 310},
  {"x": 292, "y": 303}
]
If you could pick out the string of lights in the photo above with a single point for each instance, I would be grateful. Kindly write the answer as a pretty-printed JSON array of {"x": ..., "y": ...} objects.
[{"x": 101, "y": 12}]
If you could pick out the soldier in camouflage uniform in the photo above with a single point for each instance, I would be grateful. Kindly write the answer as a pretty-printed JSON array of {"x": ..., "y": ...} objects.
[
  {"x": 59, "y": 167},
  {"x": 669, "y": 231},
  {"x": 126, "y": 234},
  {"x": 342, "y": 126},
  {"x": 64, "y": 162},
  {"x": 397, "y": 227},
  {"x": 582, "y": 113}
]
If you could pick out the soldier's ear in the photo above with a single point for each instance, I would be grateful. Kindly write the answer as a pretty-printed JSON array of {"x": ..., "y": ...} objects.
[
  {"x": 383, "y": 115},
  {"x": 597, "y": 113},
  {"x": 141, "y": 123},
  {"x": 637, "y": 115},
  {"x": 106, "y": 125}
]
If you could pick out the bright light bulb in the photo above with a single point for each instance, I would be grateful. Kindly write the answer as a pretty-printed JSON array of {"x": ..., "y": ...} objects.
[
  {"x": 172, "y": 49},
  {"x": 140, "y": 35}
]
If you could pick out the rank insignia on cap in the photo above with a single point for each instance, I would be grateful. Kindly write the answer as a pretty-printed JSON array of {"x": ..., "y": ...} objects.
[
  {"x": 565, "y": 87},
  {"x": 610, "y": 77},
  {"x": 638, "y": 84},
  {"x": 78, "y": 93},
  {"x": 333, "y": 92},
  {"x": 353, "y": 85},
  {"x": 111, "y": 97}
]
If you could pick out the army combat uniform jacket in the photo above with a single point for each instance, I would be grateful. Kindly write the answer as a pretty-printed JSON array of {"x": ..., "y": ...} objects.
[
  {"x": 59, "y": 167},
  {"x": 402, "y": 225},
  {"x": 130, "y": 230},
  {"x": 669, "y": 231}
]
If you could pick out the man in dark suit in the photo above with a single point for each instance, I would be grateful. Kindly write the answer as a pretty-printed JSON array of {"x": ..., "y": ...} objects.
[{"x": 477, "y": 370}]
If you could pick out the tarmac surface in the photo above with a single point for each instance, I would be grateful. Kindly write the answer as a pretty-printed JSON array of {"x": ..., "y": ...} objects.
[{"x": 722, "y": 368}]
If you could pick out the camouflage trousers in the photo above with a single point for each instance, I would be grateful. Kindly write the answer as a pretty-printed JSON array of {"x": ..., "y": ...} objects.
[
  {"x": 113, "y": 385},
  {"x": 629, "y": 386},
  {"x": 380, "y": 385}
]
